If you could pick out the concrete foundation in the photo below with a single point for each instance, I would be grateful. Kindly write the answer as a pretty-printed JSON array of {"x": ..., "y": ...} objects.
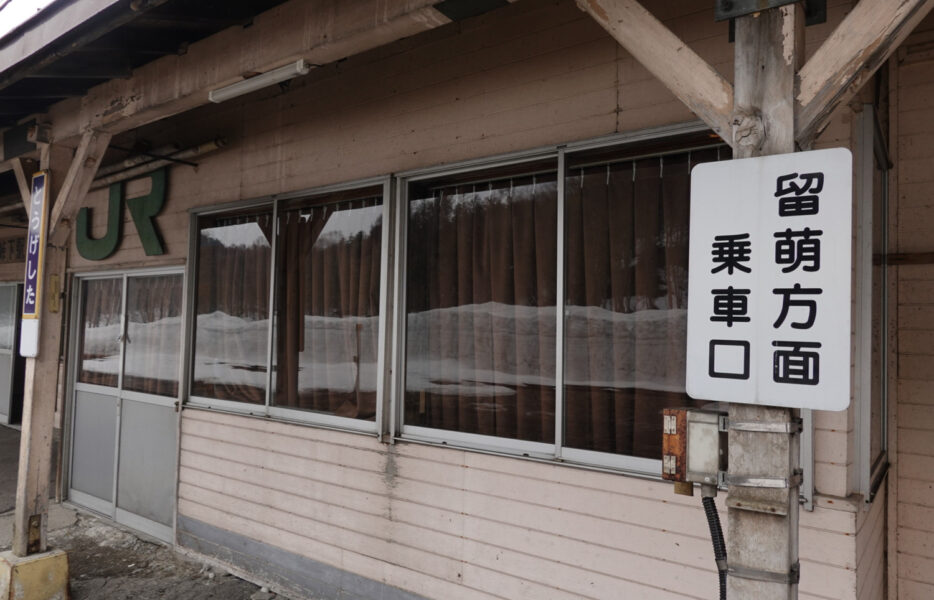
[{"x": 37, "y": 577}]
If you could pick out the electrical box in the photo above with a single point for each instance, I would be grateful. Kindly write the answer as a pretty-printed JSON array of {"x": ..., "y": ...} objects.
[{"x": 694, "y": 447}]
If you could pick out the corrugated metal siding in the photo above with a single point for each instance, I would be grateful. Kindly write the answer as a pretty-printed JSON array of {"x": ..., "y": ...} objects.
[{"x": 448, "y": 523}]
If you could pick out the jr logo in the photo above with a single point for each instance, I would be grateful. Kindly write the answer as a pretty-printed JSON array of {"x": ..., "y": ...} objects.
[{"x": 143, "y": 209}]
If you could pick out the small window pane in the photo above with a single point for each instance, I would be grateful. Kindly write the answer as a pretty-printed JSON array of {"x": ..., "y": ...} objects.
[
  {"x": 8, "y": 316},
  {"x": 99, "y": 341},
  {"x": 879, "y": 317},
  {"x": 327, "y": 304},
  {"x": 232, "y": 316},
  {"x": 480, "y": 303},
  {"x": 154, "y": 311},
  {"x": 626, "y": 265}
]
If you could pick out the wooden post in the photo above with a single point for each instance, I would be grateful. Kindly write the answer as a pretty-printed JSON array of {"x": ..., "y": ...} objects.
[
  {"x": 35, "y": 454},
  {"x": 762, "y": 524}
]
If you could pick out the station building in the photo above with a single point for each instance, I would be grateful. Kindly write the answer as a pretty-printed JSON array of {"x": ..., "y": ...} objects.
[{"x": 403, "y": 324}]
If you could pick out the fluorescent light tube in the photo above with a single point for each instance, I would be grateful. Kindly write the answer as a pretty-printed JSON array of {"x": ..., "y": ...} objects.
[{"x": 258, "y": 82}]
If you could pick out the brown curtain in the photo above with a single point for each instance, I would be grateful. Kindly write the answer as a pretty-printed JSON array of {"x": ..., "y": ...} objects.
[
  {"x": 480, "y": 296},
  {"x": 99, "y": 345},
  {"x": 232, "y": 308},
  {"x": 626, "y": 263},
  {"x": 327, "y": 304},
  {"x": 154, "y": 309}
]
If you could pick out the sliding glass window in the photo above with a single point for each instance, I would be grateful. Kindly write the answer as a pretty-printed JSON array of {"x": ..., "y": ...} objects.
[
  {"x": 232, "y": 309},
  {"x": 328, "y": 303},
  {"x": 288, "y": 308},
  {"x": 480, "y": 303},
  {"x": 486, "y": 351}
]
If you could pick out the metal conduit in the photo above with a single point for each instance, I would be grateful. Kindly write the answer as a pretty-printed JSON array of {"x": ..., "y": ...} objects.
[{"x": 152, "y": 165}]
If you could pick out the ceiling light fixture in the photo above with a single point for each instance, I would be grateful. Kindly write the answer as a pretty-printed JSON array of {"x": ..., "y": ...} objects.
[{"x": 258, "y": 82}]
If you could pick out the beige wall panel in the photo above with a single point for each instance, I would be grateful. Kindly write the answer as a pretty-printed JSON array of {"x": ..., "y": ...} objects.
[
  {"x": 914, "y": 491},
  {"x": 916, "y": 568},
  {"x": 829, "y": 478},
  {"x": 915, "y": 392},
  {"x": 915, "y": 542},
  {"x": 870, "y": 539},
  {"x": 914, "y": 590},
  {"x": 916, "y": 342},
  {"x": 12, "y": 272},
  {"x": 541, "y": 530},
  {"x": 916, "y": 416},
  {"x": 830, "y": 446},
  {"x": 916, "y": 516},
  {"x": 914, "y": 466},
  {"x": 915, "y": 441},
  {"x": 912, "y": 147},
  {"x": 916, "y": 316},
  {"x": 915, "y": 291},
  {"x": 914, "y": 510}
]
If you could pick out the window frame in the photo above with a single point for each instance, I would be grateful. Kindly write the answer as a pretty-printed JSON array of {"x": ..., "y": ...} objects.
[
  {"x": 268, "y": 409},
  {"x": 632, "y": 465},
  {"x": 871, "y": 150},
  {"x": 388, "y": 425}
]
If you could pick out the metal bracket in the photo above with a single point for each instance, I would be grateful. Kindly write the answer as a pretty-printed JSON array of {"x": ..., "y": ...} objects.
[
  {"x": 792, "y": 427},
  {"x": 815, "y": 11},
  {"x": 793, "y": 576},
  {"x": 765, "y": 482}
]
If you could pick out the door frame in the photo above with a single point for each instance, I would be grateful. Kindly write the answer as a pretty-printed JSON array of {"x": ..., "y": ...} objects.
[
  {"x": 16, "y": 374},
  {"x": 111, "y": 510}
]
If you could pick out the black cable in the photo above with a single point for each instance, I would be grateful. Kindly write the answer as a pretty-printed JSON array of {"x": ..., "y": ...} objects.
[{"x": 719, "y": 544}]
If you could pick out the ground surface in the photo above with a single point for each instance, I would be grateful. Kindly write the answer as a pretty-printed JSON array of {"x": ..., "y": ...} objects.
[{"x": 112, "y": 563}]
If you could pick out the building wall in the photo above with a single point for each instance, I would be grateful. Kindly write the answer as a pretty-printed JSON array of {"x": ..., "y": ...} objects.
[
  {"x": 451, "y": 524},
  {"x": 440, "y": 522},
  {"x": 913, "y": 487}
]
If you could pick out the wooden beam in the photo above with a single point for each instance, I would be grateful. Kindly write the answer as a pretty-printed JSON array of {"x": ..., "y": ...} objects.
[
  {"x": 849, "y": 57},
  {"x": 23, "y": 178},
  {"x": 292, "y": 30},
  {"x": 670, "y": 60},
  {"x": 80, "y": 173}
]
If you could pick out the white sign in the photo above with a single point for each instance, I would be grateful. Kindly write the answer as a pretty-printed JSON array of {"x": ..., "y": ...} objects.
[{"x": 769, "y": 280}]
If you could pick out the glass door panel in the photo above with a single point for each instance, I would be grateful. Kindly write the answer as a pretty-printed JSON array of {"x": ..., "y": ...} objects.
[
  {"x": 153, "y": 338},
  {"x": 99, "y": 332},
  {"x": 8, "y": 315}
]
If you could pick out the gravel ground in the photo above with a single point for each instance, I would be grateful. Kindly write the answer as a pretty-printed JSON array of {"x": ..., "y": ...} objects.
[{"x": 113, "y": 564}]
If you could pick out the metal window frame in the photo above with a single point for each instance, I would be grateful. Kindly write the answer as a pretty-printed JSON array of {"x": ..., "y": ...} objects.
[
  {"x": 398, "y": 430},
  {"x": 72, "y": 385},
  {"x": 870, "y": 147},
  {"x": 268, "y": 409}
]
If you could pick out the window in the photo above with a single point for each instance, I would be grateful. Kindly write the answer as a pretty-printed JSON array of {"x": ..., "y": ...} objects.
[
  {"x": 480, "y": 303},
  {"x": 288, "y": 304},
  {"x": 872, "y": 289},
  {"x": 540, "y": 302},
  {"x": 327, "y": 304},
  {"x": 232, "y": 308},
  {"x": 626, "y": 246},
  {"x": 546, "y": 305}
]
